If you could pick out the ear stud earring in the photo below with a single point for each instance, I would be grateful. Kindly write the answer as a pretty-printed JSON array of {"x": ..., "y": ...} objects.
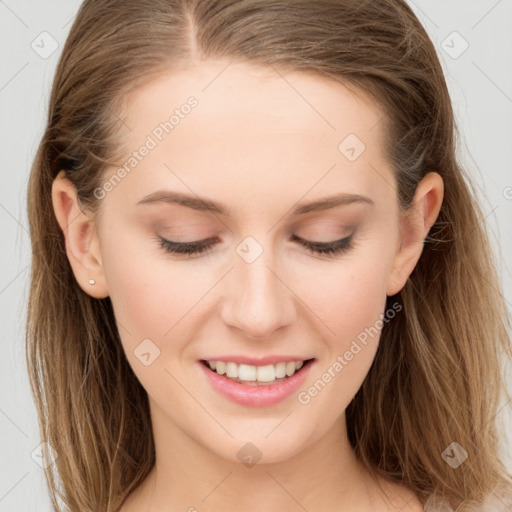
[{"x": 91, "y": 281}]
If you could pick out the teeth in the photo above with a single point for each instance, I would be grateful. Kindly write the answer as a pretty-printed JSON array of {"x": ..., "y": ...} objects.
[
  {"x": 266, "y": 373},
  {"x": 280, "y": 370},
  {"x": 249, "y": 373},
  {"x": 220, "y": 367},
  {"x": 232, "y": 370}
]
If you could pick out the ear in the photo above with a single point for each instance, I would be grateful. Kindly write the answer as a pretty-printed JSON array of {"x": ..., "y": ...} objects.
[
  {"x": 415, "y": 224},
  {"x": 81, "y": 238}
]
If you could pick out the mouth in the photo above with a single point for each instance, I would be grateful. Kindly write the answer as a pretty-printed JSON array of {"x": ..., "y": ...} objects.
[{"x": 257, "y": 375}]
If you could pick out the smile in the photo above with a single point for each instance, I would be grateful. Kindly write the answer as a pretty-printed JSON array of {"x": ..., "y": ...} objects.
[
  {"x": 254, "y": 375},
  {"x": 256, "y": 385}
]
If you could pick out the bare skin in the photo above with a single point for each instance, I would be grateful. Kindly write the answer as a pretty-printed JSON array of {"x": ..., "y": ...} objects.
[{"x": 260, "y": 147}]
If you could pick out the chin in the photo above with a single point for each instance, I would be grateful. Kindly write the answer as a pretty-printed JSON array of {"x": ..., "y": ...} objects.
[{"x": 258, "y": 449}]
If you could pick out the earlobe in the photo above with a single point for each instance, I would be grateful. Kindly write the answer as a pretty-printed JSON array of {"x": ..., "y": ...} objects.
[
  {"x": 415, "y": 225},
  {"x": 80, "y": 236}
]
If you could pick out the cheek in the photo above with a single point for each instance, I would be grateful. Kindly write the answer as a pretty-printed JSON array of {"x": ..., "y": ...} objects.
[
  {"x": 153, "y": 301},
  {"x": 351, "y": 302},
  {"x": 149, "y": 292},
  {"x": 350, "y": 295}
]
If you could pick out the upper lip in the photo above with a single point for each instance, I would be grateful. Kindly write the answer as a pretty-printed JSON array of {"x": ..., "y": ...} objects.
[{"x": 256, "y": 361}]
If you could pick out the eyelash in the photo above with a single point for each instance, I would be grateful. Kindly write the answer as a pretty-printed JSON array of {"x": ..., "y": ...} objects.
[{"x": 330, "y": 249}]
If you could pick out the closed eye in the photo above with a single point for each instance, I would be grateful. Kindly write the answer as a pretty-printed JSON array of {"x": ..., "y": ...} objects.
[
  {"x": 199, "y": 247},
  {"x": 326, "y": 248}
]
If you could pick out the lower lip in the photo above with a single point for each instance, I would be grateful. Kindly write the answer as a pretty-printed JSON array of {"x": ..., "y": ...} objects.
[{"x": 256, "y": 396}]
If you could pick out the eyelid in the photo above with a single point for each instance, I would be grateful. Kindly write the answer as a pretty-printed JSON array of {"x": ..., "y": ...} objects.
[
  {"x": 320, "y": 244},
  {"x": 186, "y": 247},
  {"x": 327, "y": 249},
  {"x": 200, "y": 247}
]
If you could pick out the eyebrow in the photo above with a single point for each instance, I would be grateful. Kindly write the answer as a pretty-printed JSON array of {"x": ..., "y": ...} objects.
[{"x": 205, "y": 204}]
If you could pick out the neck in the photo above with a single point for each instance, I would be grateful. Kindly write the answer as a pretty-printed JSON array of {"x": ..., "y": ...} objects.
[{"x": 325, "y": 475}]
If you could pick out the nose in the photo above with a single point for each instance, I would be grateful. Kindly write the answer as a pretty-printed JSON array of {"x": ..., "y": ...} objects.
[{"x": 258, "y": 302}]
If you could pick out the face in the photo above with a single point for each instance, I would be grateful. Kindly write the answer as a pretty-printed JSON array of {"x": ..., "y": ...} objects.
[{"x": 282, "y": 188}]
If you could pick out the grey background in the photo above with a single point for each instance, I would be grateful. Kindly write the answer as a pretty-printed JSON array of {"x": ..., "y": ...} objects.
[{"x": 480, "y": 82}]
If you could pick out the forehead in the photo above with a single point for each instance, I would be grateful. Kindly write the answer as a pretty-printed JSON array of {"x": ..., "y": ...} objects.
[
  {"x": 254, "y": 130},
  {"x": 278, "y": 102}
]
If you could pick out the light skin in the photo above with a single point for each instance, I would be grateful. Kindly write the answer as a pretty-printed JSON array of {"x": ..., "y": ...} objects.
[{"x": 260, "y": 147}]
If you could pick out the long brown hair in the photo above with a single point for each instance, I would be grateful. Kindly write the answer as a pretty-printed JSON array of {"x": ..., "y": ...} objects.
[{"x": 436, "y": 376}]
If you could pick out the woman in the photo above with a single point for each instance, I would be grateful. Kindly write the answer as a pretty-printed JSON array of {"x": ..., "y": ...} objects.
[{"x": 260, "y": 279}]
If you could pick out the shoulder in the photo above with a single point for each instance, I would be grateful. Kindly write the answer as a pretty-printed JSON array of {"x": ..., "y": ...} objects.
[
  {"x": 399, "y": 497},
  {"x": 500, "y": 500}
]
